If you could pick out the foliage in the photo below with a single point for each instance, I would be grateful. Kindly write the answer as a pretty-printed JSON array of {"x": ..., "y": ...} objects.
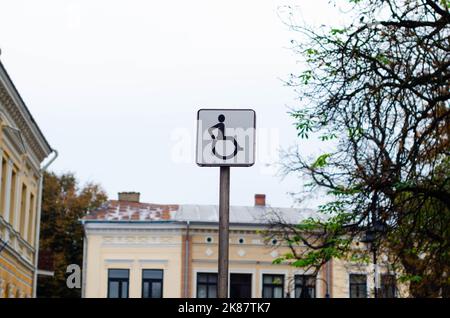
[
  {"x": 381, "y": 87},
  {"x": 64, "y": 203}
]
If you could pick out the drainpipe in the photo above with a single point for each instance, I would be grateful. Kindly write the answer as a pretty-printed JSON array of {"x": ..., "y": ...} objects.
[
  {"x": 186, "y": 262},
  {"x": 329, "y": 274},
  {"x": 328, "y": 279},
  {"x": 84, "y": 268},
  {"x": 38, "y": 221}
]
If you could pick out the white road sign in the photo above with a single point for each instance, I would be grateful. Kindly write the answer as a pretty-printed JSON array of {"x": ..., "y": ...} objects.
[{"x": 226, "y": 137}]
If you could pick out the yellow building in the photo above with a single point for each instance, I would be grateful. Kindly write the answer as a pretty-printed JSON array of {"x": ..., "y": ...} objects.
[
  {"x": 22, "y": 149},
  {"x": 135, "y": 249}
]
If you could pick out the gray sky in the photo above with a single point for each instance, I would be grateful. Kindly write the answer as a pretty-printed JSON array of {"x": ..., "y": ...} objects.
[{"x": 115, "y": 87}]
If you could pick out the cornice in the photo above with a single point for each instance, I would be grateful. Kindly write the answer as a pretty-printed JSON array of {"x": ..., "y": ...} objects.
[{"x": 16, "y": 109}]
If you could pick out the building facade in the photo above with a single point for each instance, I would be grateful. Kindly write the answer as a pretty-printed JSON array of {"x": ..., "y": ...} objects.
[
  {"x": 134, "y": 249},
  {"x": 22, "y": 149}
]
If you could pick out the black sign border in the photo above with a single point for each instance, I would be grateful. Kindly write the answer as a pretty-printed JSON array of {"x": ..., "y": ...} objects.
[{"x": 225, "y": 164}]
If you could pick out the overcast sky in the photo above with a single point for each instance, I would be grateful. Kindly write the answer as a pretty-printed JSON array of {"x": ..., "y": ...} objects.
[{"x": 115, "y": 87}]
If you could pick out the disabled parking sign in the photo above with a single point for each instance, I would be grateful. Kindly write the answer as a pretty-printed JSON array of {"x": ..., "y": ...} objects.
[{"x": 226, "y": 137}]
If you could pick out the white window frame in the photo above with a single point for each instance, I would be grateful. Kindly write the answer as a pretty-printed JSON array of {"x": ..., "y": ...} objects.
[
  {"x": 358, "y": 273},
  {"x": 263, "y": 272}
]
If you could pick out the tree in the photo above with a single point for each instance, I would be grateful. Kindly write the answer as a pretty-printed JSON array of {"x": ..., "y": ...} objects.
[
  {"x": 421, "y": 239},
  {"x": 378, "y": 89},
  {"x": 64, "y": 203}
]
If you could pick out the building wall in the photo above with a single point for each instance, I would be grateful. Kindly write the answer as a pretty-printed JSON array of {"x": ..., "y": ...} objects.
[
  {"x": 163, "y": 246},
  {"x": 133, "y": 251},
  {"x": 137, "y": 249},
  {"x": 252, "y": 256},
  {"x": 20, "y": 157},
  {"x": 15, "y": 279},
  {"x": 18, "y": 194},
  {"x": 341, "y": 271}
]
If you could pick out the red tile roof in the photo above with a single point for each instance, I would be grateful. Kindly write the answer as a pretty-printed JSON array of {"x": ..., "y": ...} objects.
[{"x": 114, "y": 210}]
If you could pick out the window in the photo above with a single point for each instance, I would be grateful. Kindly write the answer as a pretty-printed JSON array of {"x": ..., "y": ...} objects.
[
  {"x": 209, "y": 239},
  {"x": 206, "y": 285},
  {"x": 273, "y": 286},
  {"x": 12, "y": 197},
  {"x": 152, "y": 283},
  {"x": 358, "y": 286},
  {"x": 388, "y": 286},
  {"x": 31, "y": 223},
  {"x": 3, "y": 187},
  {"x": 240, "y": 285},
  {"x": 241, "y": 240},
  {"x": 305, "y": 286},
  {"x": 23, "y": 200},
  {"x": 118, "y": 281}
]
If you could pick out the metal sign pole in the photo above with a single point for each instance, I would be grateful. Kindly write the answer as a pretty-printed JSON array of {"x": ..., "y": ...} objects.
[
  {"x": 224, "y": 216},
  {"x": 225, "y": 139}
]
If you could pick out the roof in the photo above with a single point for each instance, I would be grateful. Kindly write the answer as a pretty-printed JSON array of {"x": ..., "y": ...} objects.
[
  {"x": 114, "y": 210},
  {"x": 127, "y": 211},
  {"x": 241, "y": 214}
]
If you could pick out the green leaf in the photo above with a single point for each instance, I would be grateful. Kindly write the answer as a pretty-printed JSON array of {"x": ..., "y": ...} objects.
[
  {"x": 382, "y": 59},
  {"x": 278, "y": 260},
  {"x": 306, "y": 76},
  {"x": 337, "y": 31},
  {"x": 321, "y": 161}
]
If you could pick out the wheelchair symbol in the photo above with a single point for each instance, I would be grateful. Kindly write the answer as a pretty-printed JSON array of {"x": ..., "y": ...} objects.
[{"x": 222, "y": 139}]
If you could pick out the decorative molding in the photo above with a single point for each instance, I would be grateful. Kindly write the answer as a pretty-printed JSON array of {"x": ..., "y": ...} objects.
[
  {"x": 132, "y": 228},
  {"x": 209, "y": 252},
  {"x": 132, "y": 261},
  {"x": 154, "y": 245},
  {"x": 23, "y": 121},
  {"x": 2, "y": 287},
  {"x": 10, "y": 151},
  {"x": 212, "y": 229},
  {"x": 10, "y": 290},
  {"x": 14, "y": 241},
  {"x": 141, "y": 241},
  {"x": 11, "y": 233},
  {"x": 118, "y": 261},
  {"x": 15, "y": 141},
  {"x": 94, "y": 227},
  {"x": 248, "y": 262},
  {"x": 153, "y": 261},
  {"x": 241, "y": 252}
]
